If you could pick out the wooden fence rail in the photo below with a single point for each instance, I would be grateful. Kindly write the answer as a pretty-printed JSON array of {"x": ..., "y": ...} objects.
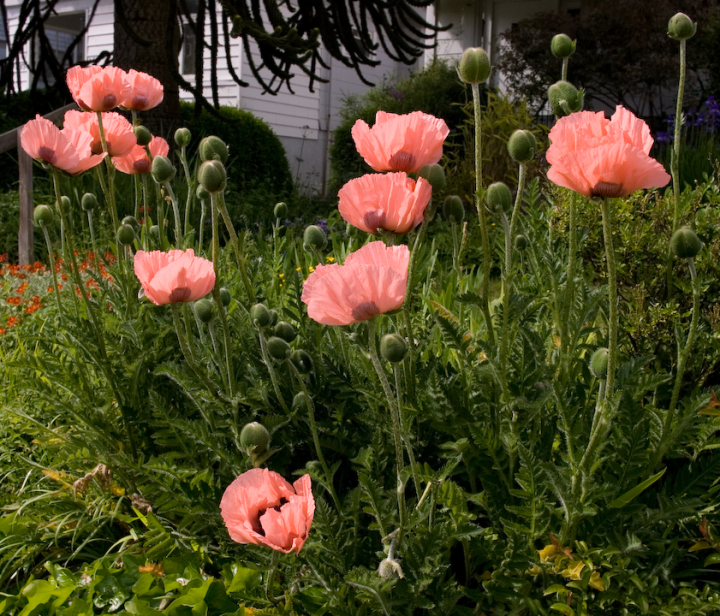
[{"x": 8, "y": 141}]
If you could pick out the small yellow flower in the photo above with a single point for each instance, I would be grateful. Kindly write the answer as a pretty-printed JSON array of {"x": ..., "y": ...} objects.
[
  {"x": 311, "y": 269},
  {"x": 116, "y": 490},
  {"x": 330, "y": 259},
  {"x": 282, "y": 275},
  {"x": 281, "y": 285},
  {"x": 297, "y": 269}
]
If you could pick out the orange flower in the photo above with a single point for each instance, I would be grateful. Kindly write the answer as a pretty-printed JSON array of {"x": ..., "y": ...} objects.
[
  {"x": 400, "y": 142},
  {"x": 22, "y": 288},
  {"x": 372, "y": 281},
  {"x": 2, "y": 331},
  {"x": 145, "y": 93},
  {"x": 597, "y": 157},
  {"x": 32, "y": 308},
  {"x": 14, "y": 301},
  {"x": 12, "y": 321},
  {"x": 393, "y": 202},
  {"x": 119, "y": 135},
  {"x": 3, "y": 257},
  {"x": 175, "y": 276},
  {"x": 97, "y": 88},
  {"x": 138, "y": 161}
]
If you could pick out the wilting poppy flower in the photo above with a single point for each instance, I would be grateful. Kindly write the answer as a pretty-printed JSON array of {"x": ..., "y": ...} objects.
[
  {"x": 119, "y": 135},
  {"x": 400, "y": 142},
  {"x": 97, "y": 88},
  {"x": 145, "y": 93},
  {"x": 175, "y": 276},
  {"x": 65, "y": 149},
  {"x": 372, "y": 281},
  {"x": 392, "y": 201},
  {"x": 597, "y": 157},
  {"x": 137, "y": 161},
  {"x": 260, "y": 507}
]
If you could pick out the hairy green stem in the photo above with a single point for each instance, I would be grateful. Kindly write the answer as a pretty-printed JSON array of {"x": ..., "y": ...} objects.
[
  {"x": 110, "y": 194},
  {"x": 563, "y": 326},
  {"x": 203, "y": 212},
  {"x": 612, "y": 299},
  {"x": 565, "y": 68},
  {"x": 226, "y": 337},
  {"x": 176, "y": 212},
  {"x": 190, "y": 187},
  {"x": 146, "y": 211},
  {"x": 52, "y": 269},
  {"x": 271, "y": 370}
]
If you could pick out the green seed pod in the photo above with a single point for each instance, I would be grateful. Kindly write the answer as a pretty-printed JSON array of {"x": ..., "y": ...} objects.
[
  {"x": 225, "y": 296},
  {"x": 393, "y": 348},
  {"x": 142, "y": 135},
  {"x": 162, "y": 169},
  {"x": 213, "y": 148},
  {"x": 499, "y": 197},
  {"x": 43, "y": 216},
  {"x": 132, "y": 221},
  {"x": 520, "y": 242},
  {"x": 474, "y": 66},
  {"x": 299, "y": 401},
  {"x": 599, "y": 363},
  {"x": 315, "y": 237},
  {"x": 681, "y": 27},
  {"x": 278, "y": 348},
  {"x": 564, "y": 98},
  {"x": 260, "y": 315},
  {"x": 453, "y": 209},
  {"x": 284, "y": 330},
  {"x": 202, "y": 194},
  {"x": 280, "y": 210},
  {"x": 302, "y": 361},
  {"x": 685, "y": 243},
  {"x": 212, "y": 176},
  {"x": 89, "y": 202},
  {"x": 254, "y": 437},
  {"x": 562, "y": 46},
  {"x": 182, "y": 137},
  {"x": 204, "y": 309},
  {"x": 522, "y": 146},
  {"x": 155, "y": 233},
  {"x": 64, "y": 204},
  {"x": 126, "y": 235},
  {"x": 435, "y": 175}
]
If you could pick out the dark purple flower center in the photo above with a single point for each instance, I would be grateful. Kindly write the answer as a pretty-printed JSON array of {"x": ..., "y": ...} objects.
[
  {"x": 375, "y": 220},
  {"x": 365, "y": 311},
  {"x": 109, "y": 101},
  {"x": 47, "y": 155},
  {"x": 180, "y": 295},
  {"x": 142, "y": 165},
  {"x": 139, "y": 101},
  {"x": 606, "y": 190},
  {"x": 402, "y": 161}
]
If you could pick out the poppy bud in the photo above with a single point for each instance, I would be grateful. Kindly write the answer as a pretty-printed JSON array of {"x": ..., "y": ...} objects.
[
  {"x": 435, "y": 175},
  {"x": 390, "y": 569},
  {"x": 284, "y": 330},
  {"x": 89, "y": 202},
  {"x": 162, "y": 169},
  {"x": 132, "y": 221},
  {"x": 202, "y": 194},
  {"x": 254, "y": 437},
  {"x": 499, "y": 197},
  {"x": 142, "y": 135},
  {"x": 681, "y": 27},
  {"x": 393, "y": 348},
  {"x": 43, "y": 216},
  {"x": 522, "y": 146},
  {"x": 599, "y": 363},
  {"x": 564, "y": 98},
  {"x": 685, "y": 243},
  {"x": 212, "y": 176},
  {"x": 126, "y": 235},
  {"x": 299, "y": 401},
  {"x": 260, "y": 315},
  {"x": 278, "y": 348},
  {"x": 280, "y": 210},
  {"x": 302, "y": 361},
  {"x": 213, "y": 148},
  {"x": 453, "y": 209},
  {"x": 315, "y": 237},
  {"x": 204, "y": 310},
  {"x": 182, "y": 137},
  {"x": 274, "y": 316},
  {"x": 520, "y": 242},
  {"x": 155, "y": 233},
  {"x": 224, "y": 296},
  {"x": 65, "y": 204},
  {"x": 562, "y": 46},
  {"x": 474, "y": 66}
]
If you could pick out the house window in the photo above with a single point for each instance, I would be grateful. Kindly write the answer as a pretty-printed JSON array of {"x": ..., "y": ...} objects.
[
  {"x": 3, "y": 42},
  {"x": 187, "y": 51},
  {"x": 61, "y": 31}
]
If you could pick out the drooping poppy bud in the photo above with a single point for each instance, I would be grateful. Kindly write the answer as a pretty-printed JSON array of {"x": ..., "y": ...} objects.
[
  {"x": 564, "y": 98},
  {"x": 393, "y": 348},
  {"x": 204, "y": 309},
  {"x": 254, "y": 437},
  {"x": 434, "y": 174},
  {"x": 260, "y": 315},
  {"x": 685, "y": 243},
  {"x": 453, "y": 209},
  {"x": 142, "y": 135},
  {"x": 43, "y": 216},
  {"x": 126, "y": 235},
  {"x": 278, "y": 348},
  {"x": 522, "y": 146},
  {"x": 499, "y": 197},
  {"x": 315, "y": 237},
  {"x": 162, "y": 169},
  {"x": 302, "y": 361},
  {"x": 284, "y": 330}
]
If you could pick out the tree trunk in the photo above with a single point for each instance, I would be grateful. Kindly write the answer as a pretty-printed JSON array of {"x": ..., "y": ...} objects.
[{"x": 147, "y": 38}]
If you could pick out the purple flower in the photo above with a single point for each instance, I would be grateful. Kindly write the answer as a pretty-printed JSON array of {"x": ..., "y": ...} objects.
[
  {"x": 323, "y": 225},
  {"x": 663, "y": 137}
]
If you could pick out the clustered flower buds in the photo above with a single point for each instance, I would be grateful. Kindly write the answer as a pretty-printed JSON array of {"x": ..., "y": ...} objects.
[{"x": 213, "y": 148}]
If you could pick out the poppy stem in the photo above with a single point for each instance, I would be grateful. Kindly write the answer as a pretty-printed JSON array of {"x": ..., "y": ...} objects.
[
  {"x": 565, "y": 68},
  {"x": 226, "y": 337},
  {"x": 146, "y": 212},
  {"x": 52, "y": 269},
  {"x": 176, "y": 212},
  {"x": 110, "y": 194},
  {"x": 569, "y": 282},
  {"x": 274, "y": 561},
  {"x": 203, "y": 212},
  {"x": 190, "y": 187},
  {"x": 479, "y": 192},
  {"x": 271, "y": 370},
  {"x": 612, "y": 298}
]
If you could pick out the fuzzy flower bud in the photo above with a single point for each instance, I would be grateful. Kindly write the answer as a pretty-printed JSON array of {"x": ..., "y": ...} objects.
[
  {"x": 390, "y": 569},
  {"x": 562, "y": 46},
  {"x": 278, "y": 348},
  {"x": 43, "y": 216},
  {"x": 314, "y": 237},
  {"x": 212, "y": 176},
  {"x": 434, "y": 174},
  {"x": 254, "y": 438},
  {"x": 474, "y": 66},
  {"x": 225, "y": 296},
  {"x": 260, "y": 315},
  {"x": 89, "y": 202},
  {"x": 599, "y": 363},
  {"x": 522, "y": 146},
  {"x": 299, "y": 401},
  {"x": 142, "y": 135},
  {"x": 393, "y": 348},
  {"x": 453, "y": 209},
  {"x": 302, "y": 361},
  {"x": 126, "y": 235},
  {"x": 685, "y": 243},
  {"x": 182, "y": 137},
  {"x": 65, "y": 204},
  {"x": 162, "y": 169},
  {"x": 681, "y": 27},
  {"x": 284, "y": 330},
  {"x": 155, "y": 232},
  {"x": 564, "y": 98},
  {"x": 204, "y": 310},
  {"x": 213, "y": 148},
  {"x": 280, "y": 210},
  {"x": 499, "y": 197},
  {"x": 520, "y": 242}
]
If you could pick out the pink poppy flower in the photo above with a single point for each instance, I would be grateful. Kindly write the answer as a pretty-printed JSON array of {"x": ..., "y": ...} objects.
[
  {"x": 373, "y": 280},
  {"x": 400, "y": 142},
  {"x": 597, "y": 157},
  {"x": 97, "y": 90},
  {"x": 145, "y": 93},
  {"x": 392, "y": 201},
  {"x": 119, "y": 134},
  {"x": 65, "y": 149},
  {"x": 260, "y": 507},
  {"x": 175, "y": 276},
  {"x": 137, "y": 161}
]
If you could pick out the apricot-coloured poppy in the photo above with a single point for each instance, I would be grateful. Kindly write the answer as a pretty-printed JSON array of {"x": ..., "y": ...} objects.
[
  {"x": 145, "y": 93},
  {"x": 137, "y": 161},
  {"x": 119, "y": 135},
  {"x": 597, "y": 157},
  {"x": 65, "y": 149},
  {"x": 260, "y": 507},
  {"x": 393, "y": 202},
  {"x": 400, "y": 142},
  {"x": 97, "y": 90},
  {"x": 373, "y": 280},
  {"x": 174, "y": 276}
]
